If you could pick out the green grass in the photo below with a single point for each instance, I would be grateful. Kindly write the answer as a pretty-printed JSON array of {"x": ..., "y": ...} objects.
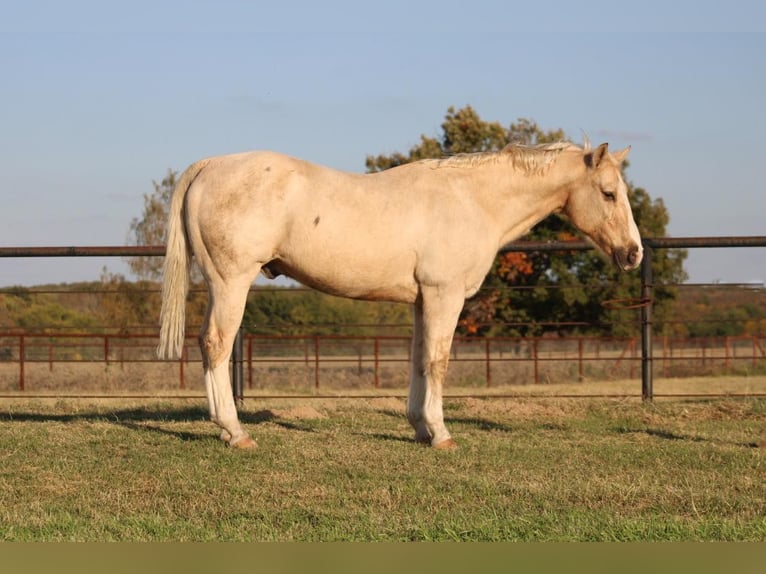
[{"x": 526, "y": 469}]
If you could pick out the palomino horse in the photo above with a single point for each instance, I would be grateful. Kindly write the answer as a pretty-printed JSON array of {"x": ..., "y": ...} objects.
[{"x": 424, "y": 233}]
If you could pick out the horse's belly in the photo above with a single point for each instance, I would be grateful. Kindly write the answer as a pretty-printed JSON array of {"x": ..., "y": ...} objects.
[{"x": 340, "y": 278}]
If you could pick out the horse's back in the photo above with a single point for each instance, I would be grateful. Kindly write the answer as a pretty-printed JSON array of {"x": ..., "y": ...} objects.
[
  {"x": 318, "y": 225},
  {"x": 370, "y": 236}
]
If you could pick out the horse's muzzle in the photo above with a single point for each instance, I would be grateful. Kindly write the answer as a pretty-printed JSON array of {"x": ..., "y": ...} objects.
[{"x": 630, "y": 258}]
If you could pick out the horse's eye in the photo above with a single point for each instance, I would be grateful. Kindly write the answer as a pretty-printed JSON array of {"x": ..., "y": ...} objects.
[{"x": 609, "y": 195}]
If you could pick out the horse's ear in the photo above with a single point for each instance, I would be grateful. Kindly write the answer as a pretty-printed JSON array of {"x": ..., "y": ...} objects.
[
  {"x": 620, "y": 156},
  {"x": 594, "y": 158}
]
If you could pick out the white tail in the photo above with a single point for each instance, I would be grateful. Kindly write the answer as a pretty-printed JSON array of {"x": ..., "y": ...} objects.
[{"x": 175, "y": 283}]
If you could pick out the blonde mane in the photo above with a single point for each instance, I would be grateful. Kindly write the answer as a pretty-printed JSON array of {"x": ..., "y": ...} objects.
[{"x": 531, "y": 160}]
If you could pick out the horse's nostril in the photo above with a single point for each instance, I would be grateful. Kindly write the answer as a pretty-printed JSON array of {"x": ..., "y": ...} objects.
[{"x": 633, "y": 255}]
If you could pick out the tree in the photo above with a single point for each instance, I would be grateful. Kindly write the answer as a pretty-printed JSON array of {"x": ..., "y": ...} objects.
[
  {"x": 125, "y": 304},
  {"x": 465, "y": 132},
  {"x": 529, "y": 293},
  {"x": 299, "y": 311},
  {"x": 150, "y": 229}
]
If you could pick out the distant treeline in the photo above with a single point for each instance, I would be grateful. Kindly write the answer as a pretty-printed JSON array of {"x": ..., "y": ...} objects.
[{"x": 114, "y": 304}]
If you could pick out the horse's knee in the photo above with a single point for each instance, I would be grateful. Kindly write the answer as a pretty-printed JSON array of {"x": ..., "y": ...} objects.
[
  {"x": 437, "y": 369},
  {"x": 211, "y": 345}
]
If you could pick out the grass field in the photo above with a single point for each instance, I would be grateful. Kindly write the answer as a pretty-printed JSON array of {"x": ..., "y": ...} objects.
[{"x": 332, "y": 469}]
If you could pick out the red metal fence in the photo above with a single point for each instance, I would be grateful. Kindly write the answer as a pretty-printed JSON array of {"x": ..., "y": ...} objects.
[{"x": 376, "y": 361}]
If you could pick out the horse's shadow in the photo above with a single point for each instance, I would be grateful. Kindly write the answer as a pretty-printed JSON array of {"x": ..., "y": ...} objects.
[
  {"x": 133, "y": 415},
  {"x": 659, "y": 433},
  {"x": 142, "y": 419},
  {"x": 481, "y": 424},
  {"x": 159, "y": 421}
]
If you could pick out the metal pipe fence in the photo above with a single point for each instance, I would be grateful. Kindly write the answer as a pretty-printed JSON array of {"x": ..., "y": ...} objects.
[
  {"x": 318, "y": 346},
  {"x": 380, "y": 361}
]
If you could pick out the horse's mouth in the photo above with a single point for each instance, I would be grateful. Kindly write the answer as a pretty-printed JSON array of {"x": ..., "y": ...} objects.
[{"x": 627, "y": 259}]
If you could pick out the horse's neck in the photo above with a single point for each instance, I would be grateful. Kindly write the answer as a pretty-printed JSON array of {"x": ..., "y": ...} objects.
[{"x": 523, "y": 201}]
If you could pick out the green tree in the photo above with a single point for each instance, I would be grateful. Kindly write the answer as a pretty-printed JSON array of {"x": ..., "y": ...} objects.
[
  {"x": 125, "y": 304},
  {"x": 300, "y": 312},
  {"x": 529, "y": 293},
  {"x": 150, "y": 228}
]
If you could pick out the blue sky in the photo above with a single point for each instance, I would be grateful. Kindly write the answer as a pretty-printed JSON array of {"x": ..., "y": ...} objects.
[{"x": 97, "y": 99}]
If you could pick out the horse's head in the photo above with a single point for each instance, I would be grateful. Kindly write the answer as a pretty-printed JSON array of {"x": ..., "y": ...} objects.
[{"x": 598, "y": 205}]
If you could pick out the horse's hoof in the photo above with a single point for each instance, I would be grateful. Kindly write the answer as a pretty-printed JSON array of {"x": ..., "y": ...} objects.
[
  {"x": 244, "y": 443},
  {"x": 448, "y": 444},
  {"x": 423, "y": 441}
]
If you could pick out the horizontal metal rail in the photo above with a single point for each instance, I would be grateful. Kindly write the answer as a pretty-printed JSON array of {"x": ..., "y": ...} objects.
[
  {"x": 87, "y": 251},
  {"x": 521, "y": 246}
]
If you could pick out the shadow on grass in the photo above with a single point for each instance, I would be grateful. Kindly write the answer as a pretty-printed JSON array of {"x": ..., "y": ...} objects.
[
  {"x": 185, "y": 436},
  {"x": 389, "y": 437},
  {"x": 674, "y": 436},
  {"x": 185, "y": 414},
  {"x": 660, "y": 433},
  {"x": 149, "y": 419},
  {"x": 476, "y": 422}
]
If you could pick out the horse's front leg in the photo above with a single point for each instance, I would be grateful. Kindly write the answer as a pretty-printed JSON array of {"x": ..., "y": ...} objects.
[{"x": 436, "y": 314}]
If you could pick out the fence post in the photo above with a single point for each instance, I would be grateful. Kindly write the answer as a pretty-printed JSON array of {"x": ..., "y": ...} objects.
[
  {"x": 316, "y": 362},
  {"x": 250, "y": 362},
  {"x": 237, "y": 371},
  {"x": 181, "y": 360},
  {"x": 632, "y": 356},
  {"x": 377, "y": 361},
  {"x": 21, "y": 362},
  {"x": 488, "y": 359},
  {"x": 704, "y": 354},
  {"x": 647, "y": 382}
]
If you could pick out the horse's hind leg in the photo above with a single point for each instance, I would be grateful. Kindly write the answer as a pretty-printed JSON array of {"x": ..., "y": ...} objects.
[
  {"x": 436, "y": 314},
  {"x": 226, "y": 305}
]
